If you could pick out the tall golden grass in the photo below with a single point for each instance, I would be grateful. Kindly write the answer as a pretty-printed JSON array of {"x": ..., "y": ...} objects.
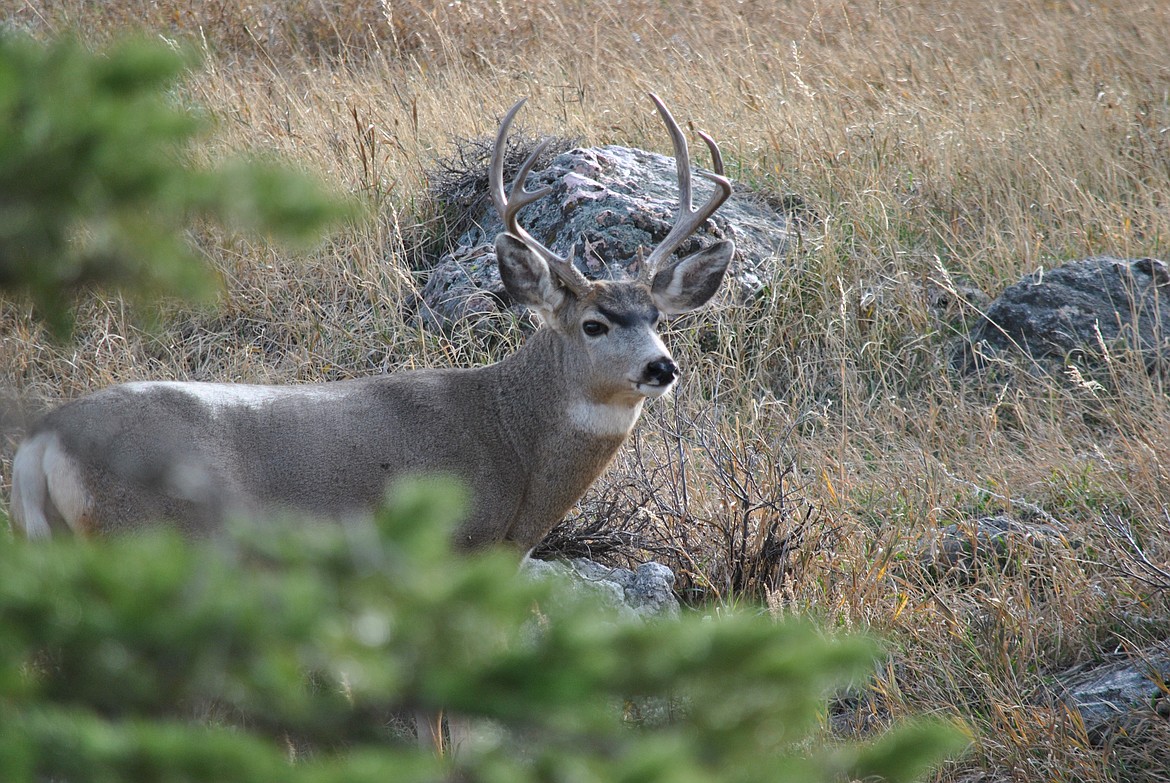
[{"x": 933, "y": 145}]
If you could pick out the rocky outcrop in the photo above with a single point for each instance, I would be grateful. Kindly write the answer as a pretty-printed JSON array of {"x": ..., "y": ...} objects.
[
  {"x": 609, "y": 206},
  {"x": 1122, "y": 695},
  {"x": 1079, "y": 313}
]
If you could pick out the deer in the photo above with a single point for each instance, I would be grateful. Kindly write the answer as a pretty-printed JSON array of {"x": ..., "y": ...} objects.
[{"x": 527, "y": 435}]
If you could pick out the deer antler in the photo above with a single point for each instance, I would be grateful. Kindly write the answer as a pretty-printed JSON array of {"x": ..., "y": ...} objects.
[
  {"x": 689, "y": 219},
  {"x": 509, "y": 203}
]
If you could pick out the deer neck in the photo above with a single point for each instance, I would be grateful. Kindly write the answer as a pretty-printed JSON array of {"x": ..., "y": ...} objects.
[
  {"x": 560, "y": 441},
  {"x": 540, "y": 389}
]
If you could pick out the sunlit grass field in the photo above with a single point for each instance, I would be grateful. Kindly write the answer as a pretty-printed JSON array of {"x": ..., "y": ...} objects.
[{"x": 935, "y": 149}]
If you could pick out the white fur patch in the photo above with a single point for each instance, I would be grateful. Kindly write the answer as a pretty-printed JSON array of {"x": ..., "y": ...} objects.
[
  {"x": 28, "y": 488},
  {"x": 654, "y": 392},
  {"x": 66, "y": 487},
  {"x": 219, "y": 396},
  {"x": 602, "y": 419},
  {"x": 44, "y": 475},
  {"x": 674, "y": 291}
]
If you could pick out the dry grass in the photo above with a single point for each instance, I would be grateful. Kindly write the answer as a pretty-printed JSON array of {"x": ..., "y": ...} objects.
[{"x": 934, "y": 144}]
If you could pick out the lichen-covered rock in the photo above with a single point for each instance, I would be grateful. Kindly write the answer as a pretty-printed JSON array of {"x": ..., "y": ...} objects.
[
  {"x": 644, "y": 594},
  {"x": 1077, "y": 314},
  {"x": 609, "y": 206},
  {"x": 1123, "y": 695}
]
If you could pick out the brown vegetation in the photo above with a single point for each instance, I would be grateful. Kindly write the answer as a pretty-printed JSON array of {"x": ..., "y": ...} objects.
[{"x": 932, "y": 145}]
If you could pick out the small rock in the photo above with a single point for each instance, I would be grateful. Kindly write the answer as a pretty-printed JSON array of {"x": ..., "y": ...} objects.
[
  {"x": 645, "y": 594},
  {"x": 958, "y": 550}
]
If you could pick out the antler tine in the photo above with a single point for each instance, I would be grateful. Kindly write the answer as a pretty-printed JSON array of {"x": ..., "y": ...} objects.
[
  {"x": 681, "y": 153},
  {"x": 496, "y": 172},
  {"x": 509, "y": 203},
  {"x": 716, "y": 155},
  {"x": 689, "y": 219}
]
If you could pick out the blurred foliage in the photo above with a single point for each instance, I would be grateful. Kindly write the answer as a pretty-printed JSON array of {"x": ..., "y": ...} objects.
[
  {"x": 151, "y": 658},
  {"x": 95, "y": 186}
]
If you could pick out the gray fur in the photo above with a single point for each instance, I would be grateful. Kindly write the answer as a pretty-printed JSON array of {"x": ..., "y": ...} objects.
[
  {"x": 690, "y": 282},
  {"x": 194, "y": 454},
  {"x": 527, "y": 435}
]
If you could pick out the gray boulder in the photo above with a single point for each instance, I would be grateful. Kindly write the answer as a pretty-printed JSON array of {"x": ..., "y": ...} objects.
[
  {"x": 607, "y": 205},
  {"x": 1122, "y": 695},
  {"x": 1077, "y": 314},
  {"x": 644, "y": 594},
  {"x": 962, "y": 550}
]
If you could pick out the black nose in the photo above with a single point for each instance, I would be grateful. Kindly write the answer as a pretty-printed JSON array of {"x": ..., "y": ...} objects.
[{"x": 661, "y": 371}]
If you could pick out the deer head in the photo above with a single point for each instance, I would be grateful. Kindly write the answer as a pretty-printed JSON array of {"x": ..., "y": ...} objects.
[{"x": 612, "y": 326}]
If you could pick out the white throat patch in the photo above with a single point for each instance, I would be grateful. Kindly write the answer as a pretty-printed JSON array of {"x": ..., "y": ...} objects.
[{"x": 604, "y": 419}]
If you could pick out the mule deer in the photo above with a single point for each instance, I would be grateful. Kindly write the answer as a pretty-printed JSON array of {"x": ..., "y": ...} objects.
[{"x": 528, "y": 434}]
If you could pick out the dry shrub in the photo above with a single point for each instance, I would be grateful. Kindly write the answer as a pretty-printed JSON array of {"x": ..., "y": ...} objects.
[{"x": 713, "y": 500}]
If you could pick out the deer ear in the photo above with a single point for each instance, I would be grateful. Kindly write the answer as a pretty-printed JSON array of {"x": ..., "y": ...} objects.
[
  {"x": 690, "y": 282},
  {"x": 527, "y": 277}
]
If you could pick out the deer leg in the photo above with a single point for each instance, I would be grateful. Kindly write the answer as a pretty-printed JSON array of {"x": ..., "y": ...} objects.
[{"x": 429, "y": 728}]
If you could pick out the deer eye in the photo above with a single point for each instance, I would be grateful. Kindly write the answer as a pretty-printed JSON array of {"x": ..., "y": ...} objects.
[{"x": 594, "y": 328}]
